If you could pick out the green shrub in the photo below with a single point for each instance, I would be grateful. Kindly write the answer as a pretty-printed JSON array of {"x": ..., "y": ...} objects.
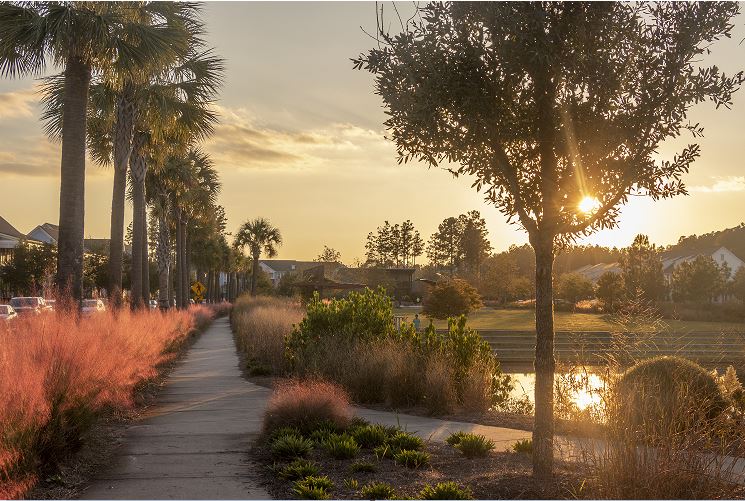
[
  {"x": 370, "y": 436},
  {"x": 450, "y": 298},
  {"x": 313, "y": 487},
  {"x": 298, "y": 470},
  {"x": 280, "y": 432},
  {"x": 384, "y": 451},
  {"x": 351, "y": 483},
  {"x": 378, "y": 490},
  {"x": 411, "y": 459},
  {"x": 363, "y": 467},
  {"x": 454, "y": 438},
  {"x": 321, "y": 435},
  {"x": 523, "y": 446},
  {"x": 404, "y": 440},
  {"x": 664, "y": 396},
  {"x": 472, "y": 445},
  {"x": 341, "y": 446},
  {"x": 291, "y": 446},
  {"x": 445, "y": 490}
]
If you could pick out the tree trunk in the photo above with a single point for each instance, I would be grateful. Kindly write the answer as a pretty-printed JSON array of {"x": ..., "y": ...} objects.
[
  {"x": 123, "y": 128},
  {"x": 254, "y": 272},
  {"x": 163, "y": 255},
  {"x": 137, "y": 170},
  {"x": 72, "y": 179},
  {"x": 186, "y": 281},
  {"x": 178, "y": 275},
  {"x": 145, "y": 256},
  {"x": 543, "y": 429}
]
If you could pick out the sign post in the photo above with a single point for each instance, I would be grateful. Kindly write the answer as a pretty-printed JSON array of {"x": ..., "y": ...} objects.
[{"x": 198, "y": 289}]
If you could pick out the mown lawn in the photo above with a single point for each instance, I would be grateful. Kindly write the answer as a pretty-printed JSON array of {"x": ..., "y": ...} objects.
[{"x": 492, "y": 318}]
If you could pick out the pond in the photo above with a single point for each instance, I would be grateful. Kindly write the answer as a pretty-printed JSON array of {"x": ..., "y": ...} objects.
[{"x": 583, "y": 390}]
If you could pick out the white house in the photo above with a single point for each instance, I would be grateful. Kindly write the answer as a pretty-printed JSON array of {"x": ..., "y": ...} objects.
[
  {"x": 47, "y": 233},
  {"x": 721, "y": 255},
  {"x": 9, "y": 238},
  {"x": 593, "y": 272}
]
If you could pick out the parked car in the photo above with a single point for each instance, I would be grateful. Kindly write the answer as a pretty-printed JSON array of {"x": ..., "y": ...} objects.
[
  {"x": 153, "y": 304},
  {"x": 91, "y": 306},
  {"x": 7, "y": 312},
  {"x": 29, "y": 305}
]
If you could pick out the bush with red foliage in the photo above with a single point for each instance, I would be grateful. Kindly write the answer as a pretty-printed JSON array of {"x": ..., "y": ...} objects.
[
  {"x": 303, "y": 404},
  {"x": 58, "y": 373}
]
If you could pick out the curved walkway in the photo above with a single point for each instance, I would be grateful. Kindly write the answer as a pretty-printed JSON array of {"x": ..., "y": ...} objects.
[{"x": 193, "y": 444}]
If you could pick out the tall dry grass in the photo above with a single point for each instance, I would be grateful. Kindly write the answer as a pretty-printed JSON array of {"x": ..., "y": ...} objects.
[
  {"x": 260, "y": 325},
  {"x": 58, "y": 374}
]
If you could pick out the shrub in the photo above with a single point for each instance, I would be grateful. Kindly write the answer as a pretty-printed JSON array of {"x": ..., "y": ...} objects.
[
  {"x": 454, "y": 438},
  {"x": 370, "y": 436},
  {"x": 472, "y": 445},
  {"x": 451, "y": 298},
  {"x": 363, "y": 467},
  {"x": 378, "y": 490},
  {"x": 351, "y": 483},
  {"x": 445, "y": 490},
  {"x": 404, "y": 440},
  {"x": 260, "y": 325},
  {"x": 306, "y": 404},
  {"x": 313, "y": 487},
  {"x": 666, "y": 395},
  {"x": 298, "y": 469},
  {"x": 341, "y": 446},
  {"x": 384, "y": 452},
  {"x": 411, "y": 459},
  {"x": 291, "y": 446},
  {"x": 524, "y": 446},
  {"x": 572, "y": 287}
]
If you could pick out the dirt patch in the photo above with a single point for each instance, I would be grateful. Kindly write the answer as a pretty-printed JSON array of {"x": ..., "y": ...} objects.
[{"x": 500, "y": 475}]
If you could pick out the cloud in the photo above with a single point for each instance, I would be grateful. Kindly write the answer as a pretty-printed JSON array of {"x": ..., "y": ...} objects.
[
  {"x": 17, "y": 104},
  {"x": 241, "y": 142},
  {"x": 722, "y": 184},
  {"x": 36, "y": 157}
]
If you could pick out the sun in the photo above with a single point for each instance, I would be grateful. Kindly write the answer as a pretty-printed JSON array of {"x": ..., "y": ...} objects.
[{"x": 589, "y": 205}]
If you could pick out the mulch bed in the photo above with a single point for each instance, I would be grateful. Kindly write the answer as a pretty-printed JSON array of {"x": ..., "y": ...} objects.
[{"x": 502, "y": 475}]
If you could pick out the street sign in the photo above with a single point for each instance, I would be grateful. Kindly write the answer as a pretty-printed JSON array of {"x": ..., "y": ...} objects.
[{"x": 198, "y": 289}]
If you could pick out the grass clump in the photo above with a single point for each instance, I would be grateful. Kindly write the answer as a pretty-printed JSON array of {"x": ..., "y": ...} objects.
[
  {"x": 384, "y": 451},
  {"x": 524, "y": 446},
  {"x": 403, "y": 440},
  {"x": 411, "y": 459},
  {"x": 363, "y": 467},
  {"x": 341, "y": 446},
  {"x": 291, "y": 446},
  {"x": 313, "y": 487},
  {"x": 378, "y": 490},
  {"x": 472, "y": 445},
  {"x": 370, "y": 436},
  {"x": 306, "y": 405},
  {"x": 298, "y": 470},
  {"x": 454, "y": 438},
  {"x": 445, "y": 490}
]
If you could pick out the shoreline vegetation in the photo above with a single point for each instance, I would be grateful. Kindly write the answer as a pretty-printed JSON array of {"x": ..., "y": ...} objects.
[{"x": 63, "y": 382}]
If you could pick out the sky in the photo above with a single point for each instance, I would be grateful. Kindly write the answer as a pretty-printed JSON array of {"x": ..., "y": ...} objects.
[{"x": 301, "y": 142}]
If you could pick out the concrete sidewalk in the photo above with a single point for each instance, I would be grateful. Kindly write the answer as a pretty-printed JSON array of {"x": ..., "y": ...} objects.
[{"x": 194, "y": 443}]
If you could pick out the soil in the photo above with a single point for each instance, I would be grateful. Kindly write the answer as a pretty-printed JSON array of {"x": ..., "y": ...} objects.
[
  {"x": 100, "y": 443},
  {"x": 503, "y": 475}
]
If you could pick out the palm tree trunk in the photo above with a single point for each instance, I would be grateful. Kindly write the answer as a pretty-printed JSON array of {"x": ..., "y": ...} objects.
[
  {"x": 186, "y": 263},
  {"x": 543, "y": 429},
  {"x": 254, "y": 272},
  {"x": 137, "y": 170},
  {"x": 178, "y": 275},
  {"x": 125, "y": 117},
  {"x": 163, "y": 255},
  {"x": 72, "y": 179},
  {"x": 145, "y": 255}
]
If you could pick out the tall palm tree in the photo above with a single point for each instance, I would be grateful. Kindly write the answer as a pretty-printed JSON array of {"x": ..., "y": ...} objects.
[
  {"x": 259, "y": 235},
  {"x": 85, "y": 38}
]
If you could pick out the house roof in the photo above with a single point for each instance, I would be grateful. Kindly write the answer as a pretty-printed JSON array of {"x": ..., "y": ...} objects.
[
  {"x": 671, "y": 259},
  {"x": 52, "y": 230},
  {"x": 8, "y": 229},
  {"x": 284, "y": 265},
  {"x": 593, "y": 272}
]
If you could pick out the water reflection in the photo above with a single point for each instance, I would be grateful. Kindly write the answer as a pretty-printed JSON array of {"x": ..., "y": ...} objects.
[{"x": 583, "y": 390}]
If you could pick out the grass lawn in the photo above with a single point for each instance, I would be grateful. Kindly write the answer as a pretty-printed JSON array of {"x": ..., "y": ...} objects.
[{"x": 492, "y": 318}]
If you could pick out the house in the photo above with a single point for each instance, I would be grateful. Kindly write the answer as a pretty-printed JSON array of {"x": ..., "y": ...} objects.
[
  {"x": 721, "y": 255},
  {"x": 47, "y": 233},
  {"x": 593, "y": 272},
  {"x": 277, "y": 268},
  {"x": 399, "y": 282},
  {"x": 9, "y": 239}
]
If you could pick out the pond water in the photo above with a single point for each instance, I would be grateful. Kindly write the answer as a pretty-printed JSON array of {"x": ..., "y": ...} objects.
[{"x": 582, "y": 389}]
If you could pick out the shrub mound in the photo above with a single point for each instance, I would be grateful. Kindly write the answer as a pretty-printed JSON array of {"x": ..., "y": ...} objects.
[
  {"x": 472, "y": 445},
  {"x": 663, "y": 396},
  {"x": 445, "y": 490},
  {"x": 378, "y": 490},
  {"x": 304, "y": 404}
]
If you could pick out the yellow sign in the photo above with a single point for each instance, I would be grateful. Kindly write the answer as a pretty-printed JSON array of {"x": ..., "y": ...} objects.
[{"x": 198, "y": 289}]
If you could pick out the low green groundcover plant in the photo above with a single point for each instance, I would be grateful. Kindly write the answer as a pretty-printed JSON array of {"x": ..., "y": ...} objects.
[
  {"x": 378, "y": 490},
  {"x": 363, "y": 467},
  {"x": 291, "y": 446},
  {"x": 472, "y": 445},
  {"x": 454, "y": 438},
  {"x": 384, "y": 451},
  {"x": 411, "y": 459},
  {"x": 404, "y": 440},
  {"x": 445, "y": 490},
  {"x": 341, "y": 446},
  {"x": 524, "y": 446},
  {"x": 298, "y": 470},
  {"x": 370, "y": 436},
  {"x": 313, "y": 487}
]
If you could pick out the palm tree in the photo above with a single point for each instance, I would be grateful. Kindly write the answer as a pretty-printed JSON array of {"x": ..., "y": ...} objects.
[
  {"x": 258, "y": 235},
  {"x": 85, "y": 38}
]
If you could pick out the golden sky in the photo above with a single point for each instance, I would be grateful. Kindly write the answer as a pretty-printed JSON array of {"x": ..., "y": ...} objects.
[{"x": 301, "y": 143}]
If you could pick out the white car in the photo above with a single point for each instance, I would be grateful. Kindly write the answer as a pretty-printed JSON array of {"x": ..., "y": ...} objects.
[
  {"x": 153, "y": 304},
  {"x": 7, "y": 312},
  {"x": 91, "y": 306},
  {"x": 29, "y": 305}
]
